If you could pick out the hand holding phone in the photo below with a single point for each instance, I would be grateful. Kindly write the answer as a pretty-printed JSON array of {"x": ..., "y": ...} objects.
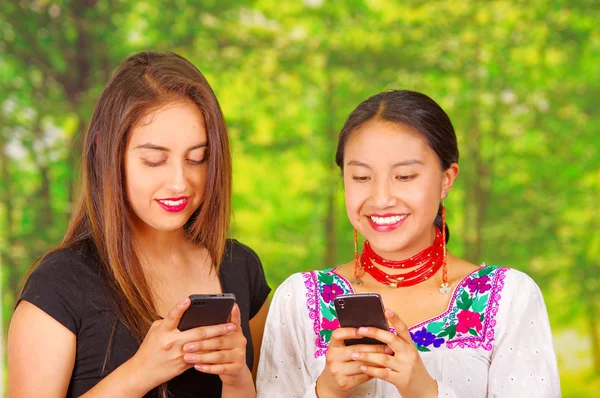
[{"x": 361, "y": 309}]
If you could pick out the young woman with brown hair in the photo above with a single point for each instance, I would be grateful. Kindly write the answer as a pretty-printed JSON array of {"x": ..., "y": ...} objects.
[{"x": 98, "y": 315}]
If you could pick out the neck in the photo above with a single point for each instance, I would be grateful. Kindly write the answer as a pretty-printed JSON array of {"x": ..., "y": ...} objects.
[{"x": 160, "y": 247}]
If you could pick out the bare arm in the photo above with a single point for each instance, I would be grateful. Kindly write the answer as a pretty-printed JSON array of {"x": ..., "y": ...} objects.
[
  {"x": 41, "y": 356},
  {"x": 257, "y": 329}
]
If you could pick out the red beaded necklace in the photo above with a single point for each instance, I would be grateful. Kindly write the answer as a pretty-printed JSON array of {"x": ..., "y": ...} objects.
[{"x": 428, "y": 261}]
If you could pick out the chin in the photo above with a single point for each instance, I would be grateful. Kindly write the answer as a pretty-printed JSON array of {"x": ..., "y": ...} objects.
[{"x": 390, "y": 243}]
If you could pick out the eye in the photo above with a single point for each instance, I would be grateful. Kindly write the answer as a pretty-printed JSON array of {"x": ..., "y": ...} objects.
[
  {"x": 153, "y": 164},
  {"x": 404, "y": 178},
  {"x": 361, "y": 178},
  {"x": 196, "y": 162}
]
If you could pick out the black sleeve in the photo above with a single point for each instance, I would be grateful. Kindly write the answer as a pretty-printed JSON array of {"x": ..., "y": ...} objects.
[
  {"x": 259, "y": 288},
  {"x": 55, "y": 288}
]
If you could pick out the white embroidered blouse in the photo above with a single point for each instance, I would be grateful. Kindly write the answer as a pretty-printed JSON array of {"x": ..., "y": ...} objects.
[{"x": 494, "y": 339}]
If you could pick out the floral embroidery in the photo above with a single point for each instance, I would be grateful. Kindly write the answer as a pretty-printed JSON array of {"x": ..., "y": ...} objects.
[
  {"x": 330, "y": 325},
  {"x": 424, "y": 338},
  {"x": 480, "y": 285},
  {"x": 322, "y": 288},
  {"x": 470, "y": 319},
  {"x": 468, "y": 322},
  {"x": 330, "y": 292}
]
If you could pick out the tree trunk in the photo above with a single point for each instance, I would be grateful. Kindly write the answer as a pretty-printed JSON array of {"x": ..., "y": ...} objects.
[
  {"x": 330, "y": 218},
  {"x": 592, "y": 315}
]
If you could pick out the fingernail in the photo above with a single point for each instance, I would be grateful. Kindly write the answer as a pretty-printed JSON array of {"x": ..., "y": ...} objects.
[
  {"x": 363, "y": 330},
  {"x": 363, "y": 368},
  {"x": 355, "y": 355},
  {"x": 389, "y": 313},
  {"x": 388, "y": 350},
  {"x": 199, "y": 367},
  {"x": 188, "y": 358},
  {"x": 185, "y": 301},
  {"x": 230, "y": 327},
  {"x": 189, "y": 348}
]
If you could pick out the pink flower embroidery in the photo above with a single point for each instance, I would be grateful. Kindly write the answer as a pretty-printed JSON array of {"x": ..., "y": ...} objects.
[
  {"x": 468, "y": 320},
  {"x": 326, "y": 324}
]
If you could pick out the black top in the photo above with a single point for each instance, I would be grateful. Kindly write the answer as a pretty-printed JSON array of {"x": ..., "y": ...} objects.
[{"x": 69, "y": 286}]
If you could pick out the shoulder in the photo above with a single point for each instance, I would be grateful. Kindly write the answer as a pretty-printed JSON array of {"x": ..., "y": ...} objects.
[
  {"x": 68, "y": 264},
  {"x": 62, "y": 283},
  {"x": 508, "y": 280},
  {"x": 311, "y": 287},
  {"x": 235, "y": 251}
]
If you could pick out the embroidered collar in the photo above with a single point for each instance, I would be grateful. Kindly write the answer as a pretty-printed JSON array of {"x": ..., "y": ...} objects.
[{"x": 468, "y": 321}]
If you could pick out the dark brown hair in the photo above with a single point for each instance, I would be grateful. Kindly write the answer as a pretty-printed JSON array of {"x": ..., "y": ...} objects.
[
  {"x": 144, "y": 83},
  {"x": 412, "y": 109}
]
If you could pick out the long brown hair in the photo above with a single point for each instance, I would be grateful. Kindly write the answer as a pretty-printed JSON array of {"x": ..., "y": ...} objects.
[{"x": 143, "y": 83}]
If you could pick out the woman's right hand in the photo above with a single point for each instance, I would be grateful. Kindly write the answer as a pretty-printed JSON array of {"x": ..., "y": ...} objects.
[
  {"x": 160, "y": 356},
  {"x": 342, "y": 374}
]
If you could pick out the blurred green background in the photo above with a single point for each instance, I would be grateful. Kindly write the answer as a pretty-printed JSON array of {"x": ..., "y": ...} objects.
[{"x": 519, "y": 79}]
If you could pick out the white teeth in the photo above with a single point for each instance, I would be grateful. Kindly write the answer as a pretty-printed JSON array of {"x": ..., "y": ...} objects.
[
  {"x": 173, "y": 202},
  {"x": 387, "y": 220}
]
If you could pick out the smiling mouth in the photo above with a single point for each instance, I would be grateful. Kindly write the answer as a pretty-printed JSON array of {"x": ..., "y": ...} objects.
[
  {"x": 170, "y": 202},
  {"x": 174, "y": 205},
  {"x": 388, "y": 220}
]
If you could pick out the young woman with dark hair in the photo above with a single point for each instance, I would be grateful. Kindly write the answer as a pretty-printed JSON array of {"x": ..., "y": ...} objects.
[{"x": 457, "y": 329}]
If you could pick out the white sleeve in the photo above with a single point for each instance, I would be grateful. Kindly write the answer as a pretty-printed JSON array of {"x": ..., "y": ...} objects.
[
  {"x": 523, "y": 362},
  {"x": 283, "y": 370},
  {"x": 444, "y": 391}
]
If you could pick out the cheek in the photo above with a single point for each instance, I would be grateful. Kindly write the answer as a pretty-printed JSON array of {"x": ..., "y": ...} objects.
[
  {"x": 140, "y": 184},
  {"x": 355, "y": 196}
]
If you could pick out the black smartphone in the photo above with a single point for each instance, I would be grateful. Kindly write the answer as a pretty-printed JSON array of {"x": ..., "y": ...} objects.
[
  {"x": 206, "y": 310},
  {"x": 361, "y": 309}
]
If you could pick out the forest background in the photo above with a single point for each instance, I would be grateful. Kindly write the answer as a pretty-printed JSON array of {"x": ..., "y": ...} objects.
[{"x": 519, "y": 79}]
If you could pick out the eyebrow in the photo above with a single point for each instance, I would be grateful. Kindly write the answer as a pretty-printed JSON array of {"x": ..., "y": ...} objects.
[
  {"x": 149, "y": 145},
  {"x": 402, "y": 163}
]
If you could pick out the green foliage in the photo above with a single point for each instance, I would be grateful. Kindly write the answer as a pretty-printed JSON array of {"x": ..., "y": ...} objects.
[{"x": 520, "y": 80}]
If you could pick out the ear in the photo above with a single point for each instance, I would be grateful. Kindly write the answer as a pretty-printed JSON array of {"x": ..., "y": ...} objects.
[{"x": 448, "y": 177}]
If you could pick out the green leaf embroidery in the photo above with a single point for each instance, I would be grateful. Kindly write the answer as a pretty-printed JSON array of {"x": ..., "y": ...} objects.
[
  {"x": 481, "y": 317},
  {"x": 480, "y": 303},
  {"x": 485, "y": 271},
  {"x": 326, "y": 334},
  {"x": 464, "y": 296},
  {"x": 326, "y": 279},
  {"x": 464, "y": 304},
  {"x": 423, "y": 349},
  {"x": 473, "y": 332},
  {"x": 328, "y": 312},
  {"x": 435, "y": 327},
  {"x": 443, "y": 333},
  {"x": 451, "y": 332}
]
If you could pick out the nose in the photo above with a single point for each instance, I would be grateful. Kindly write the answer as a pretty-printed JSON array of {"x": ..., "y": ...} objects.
[
  {"x": 178, "y": 181},
  {"x": 383, "y": 195}
]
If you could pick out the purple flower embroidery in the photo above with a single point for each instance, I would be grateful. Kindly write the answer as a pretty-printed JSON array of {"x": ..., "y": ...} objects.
[
  {"x": 326, "y": 324},
  {"x": 330, "y": 292},
  {"x": 480, "y": 285},
  {"x": 424, "y": 338}
]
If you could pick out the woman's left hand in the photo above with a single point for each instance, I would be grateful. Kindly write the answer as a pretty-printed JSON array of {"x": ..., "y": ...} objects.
[
  {"x": 223, "y": 355},
  {"x": 404, "y": 368}
]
